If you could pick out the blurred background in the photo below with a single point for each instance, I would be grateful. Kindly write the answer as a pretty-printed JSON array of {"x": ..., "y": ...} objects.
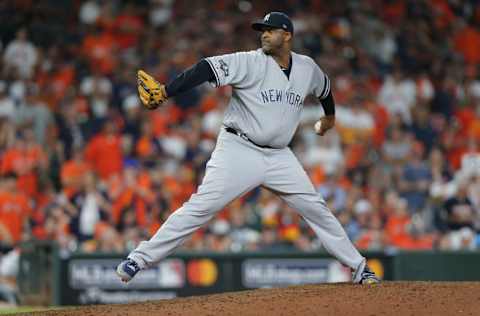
[{"x": 84, "y": 166}]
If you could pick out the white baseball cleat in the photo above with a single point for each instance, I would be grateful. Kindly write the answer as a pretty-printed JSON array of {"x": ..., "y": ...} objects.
[{"x": 363, "y": 275}]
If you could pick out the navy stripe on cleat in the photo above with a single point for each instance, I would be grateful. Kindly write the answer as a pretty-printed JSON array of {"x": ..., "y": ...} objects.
[{"x": 127, "y": 269}]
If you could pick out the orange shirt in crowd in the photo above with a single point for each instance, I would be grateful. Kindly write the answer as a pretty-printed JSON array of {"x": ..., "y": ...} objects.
[
  {"x": 130, "y": 197},
  {"x": 61, "y": 81},
  {"x": 179, "y": 190},
  {"x": 381, "y": 118},
  {"x": 14, "y": 211},
  {"x": 354, "y": 154},
  {"x": 162, "y": 118},
  {"x": 465, "y": 117},
  {"x": 317, "y": 175},
  {"x": 209, "y": 103},
  {"x": 100, "y": 50},
  {"x": 72, "y": 174},
  {"x": 127, "y": 28},
  {"x": 396, "y": 231},
  {"x": 467, "y": 42},
  {"x": 23, "y": 162},
  {"x": 145, "y": 147},
  {"x": 104, "y": 154},
  {"x": 366, "y": 239},
  {"x": 398, "y": 236},
  {"x": 54, "y": 84},
  {"x": 474, "y": 129}
]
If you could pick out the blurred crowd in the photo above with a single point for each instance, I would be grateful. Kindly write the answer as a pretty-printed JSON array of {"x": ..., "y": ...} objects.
[{"x": 82, "y": 163}]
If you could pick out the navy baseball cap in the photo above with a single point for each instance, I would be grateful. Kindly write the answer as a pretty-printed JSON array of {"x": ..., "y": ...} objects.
[{"x": 277, "y": 20}]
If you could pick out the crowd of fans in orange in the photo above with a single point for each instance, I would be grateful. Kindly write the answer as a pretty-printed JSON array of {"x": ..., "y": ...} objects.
[{"x": 83, "y": 164}]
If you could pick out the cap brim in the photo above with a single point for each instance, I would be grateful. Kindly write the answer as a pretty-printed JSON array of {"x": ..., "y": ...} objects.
[{"x": 258, "y": 26}]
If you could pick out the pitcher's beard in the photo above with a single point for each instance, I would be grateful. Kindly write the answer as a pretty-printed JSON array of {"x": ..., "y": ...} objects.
[{"x": 268, "y": 50}]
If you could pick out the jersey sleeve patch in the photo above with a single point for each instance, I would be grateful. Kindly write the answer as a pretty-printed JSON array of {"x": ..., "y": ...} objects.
[
  {"x": 217, "y": 78},
  {"x": 231, "y": 69},
  {"x": 222, "y": 67}
]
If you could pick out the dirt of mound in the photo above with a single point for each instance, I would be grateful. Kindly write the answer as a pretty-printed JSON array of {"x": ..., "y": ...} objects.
[{"x": 388, "y": 298}]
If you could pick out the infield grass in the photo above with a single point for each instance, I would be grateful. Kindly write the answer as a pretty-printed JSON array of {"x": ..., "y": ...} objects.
[{"x": 24, "y": 309}]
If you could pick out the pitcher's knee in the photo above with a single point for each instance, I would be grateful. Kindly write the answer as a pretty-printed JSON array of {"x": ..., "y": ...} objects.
[{"x": 203, "y": 204}]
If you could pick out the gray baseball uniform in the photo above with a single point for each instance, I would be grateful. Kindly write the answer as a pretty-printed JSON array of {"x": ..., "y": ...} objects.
[{"x": 265, "y": 108}]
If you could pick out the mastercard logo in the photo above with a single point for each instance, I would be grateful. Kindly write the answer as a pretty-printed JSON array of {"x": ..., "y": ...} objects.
[
  {"x": 202, "y": 272},
  {"x": 376, "y": 266}
]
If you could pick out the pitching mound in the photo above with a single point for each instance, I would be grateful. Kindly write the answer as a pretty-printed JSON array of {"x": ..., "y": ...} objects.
[{"x": 389, "y": 298}]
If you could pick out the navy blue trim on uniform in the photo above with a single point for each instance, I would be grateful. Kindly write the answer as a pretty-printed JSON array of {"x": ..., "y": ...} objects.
[
  {"x": 289, "y": 69},
  {"x": 328, "y": 104},
  {"x": 324, "y": 87},
  {"x": 325, "y": 82},
  {"x": 327, "y": 91},
  {"x": 212, "y": 66},
  {"x": 197, "y": 74}
]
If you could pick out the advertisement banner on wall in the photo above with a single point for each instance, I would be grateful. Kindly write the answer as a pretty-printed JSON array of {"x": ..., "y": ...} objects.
[
  {"x": 277, "y": 272},
  {"x": 94, "y": 281},
  {"x": 91, "y": 279},
  {"x": 100, "y": 274}
]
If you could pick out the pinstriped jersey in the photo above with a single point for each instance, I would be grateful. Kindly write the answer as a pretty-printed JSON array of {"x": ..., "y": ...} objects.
[{"x": 265, "y": 104}]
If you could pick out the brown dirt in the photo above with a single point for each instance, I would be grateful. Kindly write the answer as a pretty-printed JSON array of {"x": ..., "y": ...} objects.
[{"x": 388, "y": 298}]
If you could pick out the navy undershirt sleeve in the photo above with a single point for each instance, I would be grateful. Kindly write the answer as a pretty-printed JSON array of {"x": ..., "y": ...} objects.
[
  {"x": 197, "y": 74},
  {"x": 328, "y": 104}
]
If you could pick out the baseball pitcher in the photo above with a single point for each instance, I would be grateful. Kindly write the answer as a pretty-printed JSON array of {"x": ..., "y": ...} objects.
[{"x": 269, "y": 87}]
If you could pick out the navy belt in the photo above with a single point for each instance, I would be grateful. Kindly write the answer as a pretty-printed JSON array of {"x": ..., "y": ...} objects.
[{"x": 244, "y": 136}]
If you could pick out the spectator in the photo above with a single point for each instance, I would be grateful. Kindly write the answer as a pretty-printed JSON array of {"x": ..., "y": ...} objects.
[
  {"x": 325, "y": 152},
  {"x": 398, "y": 94},
  {"x": 20, "y": 57},
  {"x": 415, "y": 180},
  {"x": 35, "y": 114},
  {"x": 15, "y": 211},
  {"x": 397, "y": 147},
  {"x": 243, "y": 237},
  {"x": 441, "y": 187},
  {"x": 422, "y": 128},
  {"x": 403, "y": 231},
  {"x": 459, "y": 208},
  {"x": 99, "y": 48},
  {"x": 467, "y": 42},
  {"x": 133, "y": 118},
  {"x": 73, "y": 173},
  {"x": 130, "y": 207},
  {"x": 27, "y": 160},
  {"x": 92, "y": 206},
  {"x": 148, "y": 147},
  {"x": 104, "y": 151},
  {"x": 354, "y": 123}
]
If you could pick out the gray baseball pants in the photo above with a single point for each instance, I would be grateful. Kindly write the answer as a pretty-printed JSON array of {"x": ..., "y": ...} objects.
[{"x": 236, "y": 167}]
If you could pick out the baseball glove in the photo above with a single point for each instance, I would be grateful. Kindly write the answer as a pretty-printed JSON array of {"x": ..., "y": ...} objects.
[{"x": 151, "y": 92}]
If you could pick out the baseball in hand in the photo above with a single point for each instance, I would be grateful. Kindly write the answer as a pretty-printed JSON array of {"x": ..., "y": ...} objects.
[{"x": 318, "y": 126}]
